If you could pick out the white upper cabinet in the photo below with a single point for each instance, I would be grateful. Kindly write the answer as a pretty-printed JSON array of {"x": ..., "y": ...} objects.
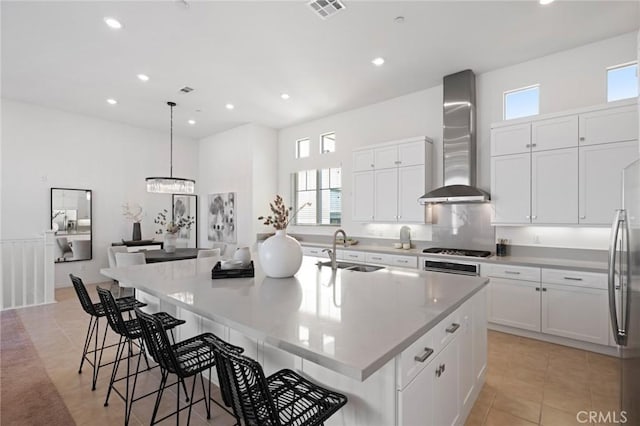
[
  {"x": 386, "y": 195},
  {"x": 386, "y": 157},
  {"x": 510, "y": 188},
  {"x": 554, "y": 133},
  {"x": 389, "y": 178},
  {"x": 363, "y": 196},
  {"x": 411, "y": 154},
  {"x": 363, "y": 160},
  {"x": 511, "y": 139},
  {"x": 609, "y": 125},
  {"x": 600, "y": 192},
  {"x": 554, "y": 186},
  {"x": 576, "y": 160},
  {"x": 411, "y": 186}
]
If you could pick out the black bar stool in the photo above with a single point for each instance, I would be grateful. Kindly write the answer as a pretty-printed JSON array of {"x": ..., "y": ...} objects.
[
  {"x": 284, "y": 398},
  {"x": 130, "y": 332},
  {"x": 185, "y": 359},
  {"x": 96, "y": 311}
]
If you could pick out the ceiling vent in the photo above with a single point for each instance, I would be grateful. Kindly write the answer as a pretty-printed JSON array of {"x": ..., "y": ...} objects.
[
  {"x": 326, "y": 8},
  {"x": 186, "y": 89}
]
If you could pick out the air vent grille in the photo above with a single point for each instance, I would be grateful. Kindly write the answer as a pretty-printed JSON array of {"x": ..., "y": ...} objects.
[
  {"x": 186, "y": 89},
  {"x": 326, "y": 8}
]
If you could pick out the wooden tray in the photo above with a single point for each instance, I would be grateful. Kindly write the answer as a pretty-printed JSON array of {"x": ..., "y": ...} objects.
[{"x": 218, "y": 273}]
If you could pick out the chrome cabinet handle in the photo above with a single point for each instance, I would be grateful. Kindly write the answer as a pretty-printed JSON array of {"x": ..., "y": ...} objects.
[
  {"x": 534, "y": 217},
  {"x": 422, "y": 356},
  {"x": 372, "y": 165},
  {"x": 544, "y": 289},
  {"x": 583, "y": 217},
  {"x": 528, "y": 145},
  {"x": 440, "y": 370},
  {"x": 533, "y": 145},
  {"x": 452, "y": 329},
  {"x": 512, "y": 272},
  {"x": 582, "y": 138},
  {"x": 537, "y": 288},
  {"x": 528, "y": 217},
  {"x": 402, "y": 261},
  {"x": 573, "y": 278}
]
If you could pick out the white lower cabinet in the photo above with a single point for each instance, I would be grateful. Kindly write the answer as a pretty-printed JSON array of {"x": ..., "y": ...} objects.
[
  {"x": 439, "y": 387},
  {"x": 515, "y": 303},
  {"x": 575, "y": 312},
  {"x": 565, "y": 303}
]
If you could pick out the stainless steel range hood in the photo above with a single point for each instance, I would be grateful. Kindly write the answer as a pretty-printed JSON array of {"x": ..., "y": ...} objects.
[{"x": 458, "y": 143}]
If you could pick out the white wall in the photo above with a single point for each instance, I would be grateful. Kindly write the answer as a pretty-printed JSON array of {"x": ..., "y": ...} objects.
[
  {"x": 44, "y": 148},
  {"x": 569, "y": 79},
  {"x": 241, "y": 160}
]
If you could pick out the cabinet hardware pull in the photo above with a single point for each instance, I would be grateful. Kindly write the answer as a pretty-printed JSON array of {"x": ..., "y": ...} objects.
[
  {"x": 528, "y": 145},
  {"x": 537, "y": 288},
  {"x": 534, "y": 217},
  {"x": 372, "y": 165},
  {"x": 618, "y": 287},
  {"x": 528, "y": 217},
  {"x": 402, "y": 261},
  {"x": 512, "y": 272},
  {"x": 453, "y": 328},
  {"x": 438, "y": 372},
  {"x": 533, "y": 145},
  {"x": 583, "y": 217},
  {"x": 582, "y": 138},
  {"x": 443, "y": 366},
  {"x": 422, "y": 357},
  {"x": 397, "y": 162},
  {"x": 573, "y": 278},
  {"x": 544, "y": 289}
]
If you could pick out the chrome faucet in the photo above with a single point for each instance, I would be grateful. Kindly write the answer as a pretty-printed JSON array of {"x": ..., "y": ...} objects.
[{"x": 332, "y": 253}]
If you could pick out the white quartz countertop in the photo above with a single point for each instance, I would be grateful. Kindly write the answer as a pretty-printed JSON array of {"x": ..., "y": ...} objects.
[
  {"x": 539, "y": 262},
  {"x": 350, "y": 322}
]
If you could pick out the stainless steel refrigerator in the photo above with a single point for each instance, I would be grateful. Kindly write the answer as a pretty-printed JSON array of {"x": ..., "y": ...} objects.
[{"x": 624, "y": 292}]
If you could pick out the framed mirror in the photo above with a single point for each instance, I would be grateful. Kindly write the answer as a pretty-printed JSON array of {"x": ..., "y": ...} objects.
[{"x": 71, "y": 220}]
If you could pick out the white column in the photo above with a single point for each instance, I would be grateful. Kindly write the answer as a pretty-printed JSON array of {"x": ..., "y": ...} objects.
[{"x": 49, "y": 265}]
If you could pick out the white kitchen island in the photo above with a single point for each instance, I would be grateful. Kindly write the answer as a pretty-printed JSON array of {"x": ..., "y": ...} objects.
[{"x": 406, "y": 347}]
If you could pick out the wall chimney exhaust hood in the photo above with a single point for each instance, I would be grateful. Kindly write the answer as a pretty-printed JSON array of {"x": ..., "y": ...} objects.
[{"x": 458, "y": 144}]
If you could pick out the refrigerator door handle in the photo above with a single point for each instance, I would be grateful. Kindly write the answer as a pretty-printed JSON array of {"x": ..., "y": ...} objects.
[
  {"x": 625, "y": 282},
  {"x": 611, "y": 276}
]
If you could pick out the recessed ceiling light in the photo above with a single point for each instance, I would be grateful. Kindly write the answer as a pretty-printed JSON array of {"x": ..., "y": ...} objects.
[
  {"x": 229, "y": 106},
  {"x": 192, "y": 122},
  {"x": 111, "y": 101},
  {"x": 546, "y": 2},
  {"x": 285, "y": 96},
  {"x": 378, "y": 61},
  {"x": 143, "y": 77},
  {"x": 113, "y": 23}
]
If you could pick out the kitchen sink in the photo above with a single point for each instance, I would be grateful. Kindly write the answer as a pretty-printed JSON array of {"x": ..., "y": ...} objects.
[{"x": 353, "y": 266}]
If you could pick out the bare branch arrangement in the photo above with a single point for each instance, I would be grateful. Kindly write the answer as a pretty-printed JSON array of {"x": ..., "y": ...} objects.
[{"x": 280, "y": 218}]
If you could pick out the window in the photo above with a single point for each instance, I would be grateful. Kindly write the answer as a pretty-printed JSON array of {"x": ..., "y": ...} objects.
[
  {"x": 522, "y": 102},
  {"x": 622, "y": 82},
  {"x": 303, "y": 148},
  {"x": 328, "y": 142},
  {"x": 323, "y": 189}
]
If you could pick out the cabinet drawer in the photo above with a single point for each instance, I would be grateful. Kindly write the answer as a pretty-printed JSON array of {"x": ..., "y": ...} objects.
[
  {"x": 379, "y": 258},
  {"x": 351, "y": 256},
  {"x": 447, "y": 330},
  {"x": 575, "y": 278},
  {"x": 404, "y": 261},
  {"x": 523, "y": 273},
  {"x": 413, "y": 359},
  {"x": 314, "y": 251}
]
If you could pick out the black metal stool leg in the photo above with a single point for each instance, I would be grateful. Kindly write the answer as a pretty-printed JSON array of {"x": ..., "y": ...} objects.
[
  {"x": 87, "y": 342},
  {"x": 178, "y": 405},
  {"x": 96, "y": 367},
  {"x": 193, "y": 387},
  {"x": 116, "y": 363},
  {"x": 163, "y": 383},
  {"x": 133, "y": 389},
  {"x": 207, "y": 402}
]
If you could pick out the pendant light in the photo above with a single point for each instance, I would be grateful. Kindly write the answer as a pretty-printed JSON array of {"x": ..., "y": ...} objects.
[{"x": 170, "y": 185}]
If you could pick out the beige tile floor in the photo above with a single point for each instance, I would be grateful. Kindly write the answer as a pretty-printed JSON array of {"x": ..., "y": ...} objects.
[{"x": 528, "y": 382}]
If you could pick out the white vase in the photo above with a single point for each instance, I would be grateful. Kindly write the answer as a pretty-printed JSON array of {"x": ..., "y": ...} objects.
[
  {"x": 170, "y": 241},
  {"x": 280, "y": 255}
]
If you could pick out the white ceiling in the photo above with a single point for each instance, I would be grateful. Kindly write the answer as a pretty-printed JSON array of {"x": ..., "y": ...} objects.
[{"x": 62, "y": 55}]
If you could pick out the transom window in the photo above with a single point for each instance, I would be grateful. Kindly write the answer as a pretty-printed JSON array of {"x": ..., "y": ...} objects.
[
  {"x": 303, "y": 148},
  {"x": 522, "y": 102},
  {"x": 328, "y": 142},
  {"x": 323, "y": 189},
  {"x": 622, "y": 82}
]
